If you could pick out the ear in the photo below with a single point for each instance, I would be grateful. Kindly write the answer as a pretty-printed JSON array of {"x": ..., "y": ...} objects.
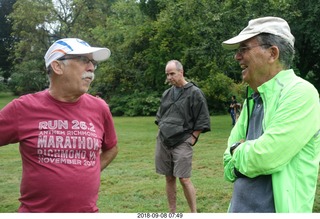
[
  {"x": 57, "y": 67},
  {"x": 274, "y": 53}
]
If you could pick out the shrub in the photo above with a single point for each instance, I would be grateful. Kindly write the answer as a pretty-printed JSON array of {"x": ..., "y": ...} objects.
[
  {"x": 135, "y": 104},
  {"x": 28, "y": 78}
]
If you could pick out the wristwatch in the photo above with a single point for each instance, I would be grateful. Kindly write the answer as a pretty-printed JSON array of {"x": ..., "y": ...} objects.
[{"x": 234, "y": 147}]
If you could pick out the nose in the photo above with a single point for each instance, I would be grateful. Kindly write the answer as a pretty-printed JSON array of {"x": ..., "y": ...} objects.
[
  {"x": 237, "y": 55},
  {"x": 91, "y": 67}
]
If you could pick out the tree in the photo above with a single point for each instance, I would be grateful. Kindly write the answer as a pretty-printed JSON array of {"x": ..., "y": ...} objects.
[
  {"x": 6, "y": 40},
  {"x": 304, "y": 24},
  {"x": 143, "y": 35},
  {"x": 126, "y": 37},
  {"x": 37, "y": 23}
]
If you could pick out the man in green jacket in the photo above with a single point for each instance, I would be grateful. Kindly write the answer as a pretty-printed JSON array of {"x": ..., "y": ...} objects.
[{"x": 273, "y": 150}]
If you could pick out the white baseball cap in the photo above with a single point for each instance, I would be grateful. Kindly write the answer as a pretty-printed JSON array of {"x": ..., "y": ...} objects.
[
  {"x": 273, "y": 25},
  {"x": 74, "y": 46}
]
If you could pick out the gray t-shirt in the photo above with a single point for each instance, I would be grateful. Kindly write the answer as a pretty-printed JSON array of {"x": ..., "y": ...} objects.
[
  {"x": 176, "y": 92},
  {"x": 253, "y": 194}
]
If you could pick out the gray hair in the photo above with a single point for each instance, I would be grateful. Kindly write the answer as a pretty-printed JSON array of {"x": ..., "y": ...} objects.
[
  {"x": 177, "y": 63},
  {"x": 286, "y": 51}
]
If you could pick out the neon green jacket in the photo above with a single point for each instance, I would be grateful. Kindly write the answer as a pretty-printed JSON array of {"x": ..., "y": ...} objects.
[{"x": 289, "y": 148}]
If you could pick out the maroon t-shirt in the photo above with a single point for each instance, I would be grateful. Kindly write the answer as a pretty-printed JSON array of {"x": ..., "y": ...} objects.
[{"x": 60, "y": 146}]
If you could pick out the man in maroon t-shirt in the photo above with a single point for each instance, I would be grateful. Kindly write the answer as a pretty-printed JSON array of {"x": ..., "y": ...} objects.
[{"x": 66, "y": 136}]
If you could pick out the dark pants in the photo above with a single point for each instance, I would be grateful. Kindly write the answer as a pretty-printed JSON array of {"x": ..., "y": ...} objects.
[{"x": 233, "y": 116}]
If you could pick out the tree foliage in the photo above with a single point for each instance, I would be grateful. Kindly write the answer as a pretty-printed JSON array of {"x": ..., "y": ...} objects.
[
  {"x": 143, "y": 35},
  {"x": 6, "y": 40}
]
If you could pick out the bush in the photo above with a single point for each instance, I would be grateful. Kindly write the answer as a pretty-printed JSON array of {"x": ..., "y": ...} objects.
[
  {"x": 3, "y": 84},
  {"x": 28, "y": 78},
  {"x": 135, "y": 104},
  {"x": 3, "y": 87},
  {"x": 218, "y": 89}
]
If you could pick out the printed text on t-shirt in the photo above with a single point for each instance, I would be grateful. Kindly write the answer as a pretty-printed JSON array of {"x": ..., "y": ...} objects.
[{"x": 68, "y": 142}]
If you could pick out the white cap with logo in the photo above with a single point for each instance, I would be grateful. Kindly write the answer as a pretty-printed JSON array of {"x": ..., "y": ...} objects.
[{"x": 74, "y": 46}]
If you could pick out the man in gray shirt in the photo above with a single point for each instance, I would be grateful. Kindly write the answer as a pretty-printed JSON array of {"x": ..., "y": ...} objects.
[{"x": 183, "y": 114}]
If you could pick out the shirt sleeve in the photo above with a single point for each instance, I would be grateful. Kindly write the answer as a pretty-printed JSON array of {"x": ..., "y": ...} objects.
[{"x": 110, "y": 138}]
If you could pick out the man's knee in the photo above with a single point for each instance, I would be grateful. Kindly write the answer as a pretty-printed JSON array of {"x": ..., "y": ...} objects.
[{"x": 185, "y": 181}]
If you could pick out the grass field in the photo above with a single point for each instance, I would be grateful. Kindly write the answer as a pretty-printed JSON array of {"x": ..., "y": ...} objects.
[{"x": 130, "y": 184}]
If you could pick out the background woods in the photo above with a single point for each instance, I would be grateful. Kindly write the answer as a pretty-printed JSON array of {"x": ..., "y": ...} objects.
[{"x": 142, "y": 36}]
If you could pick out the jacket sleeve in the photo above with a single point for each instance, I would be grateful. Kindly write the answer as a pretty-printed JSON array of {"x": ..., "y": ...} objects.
[
  {"x": 228, "y": 166},
  {"x": 156, "y": 121},
  {"x": 287, "y": 129},
  {"x": 237, "y": 133},
  {"x": 201, "y": 112}
]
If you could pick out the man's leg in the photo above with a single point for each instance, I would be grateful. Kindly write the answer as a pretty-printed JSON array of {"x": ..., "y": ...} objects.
[
  {"x": 171, "y": 189},
  {"x": 232, "y": 117},
  {"x": 190, "y": 193}
]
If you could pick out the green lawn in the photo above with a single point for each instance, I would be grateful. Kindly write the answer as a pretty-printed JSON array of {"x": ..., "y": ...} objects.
[{"x": 130, "y": 184}]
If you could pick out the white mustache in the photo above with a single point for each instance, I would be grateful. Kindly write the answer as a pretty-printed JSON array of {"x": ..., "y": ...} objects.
[{"x": 88, "y": 75}]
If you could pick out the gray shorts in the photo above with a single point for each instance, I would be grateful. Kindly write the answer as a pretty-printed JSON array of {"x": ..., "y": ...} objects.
[{"x": 175, "y": 161}]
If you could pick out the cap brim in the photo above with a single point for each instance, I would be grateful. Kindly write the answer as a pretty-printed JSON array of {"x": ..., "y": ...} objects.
[
  {"x": 98, "y": 53},
  {"x": 234, "y": 42}
]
